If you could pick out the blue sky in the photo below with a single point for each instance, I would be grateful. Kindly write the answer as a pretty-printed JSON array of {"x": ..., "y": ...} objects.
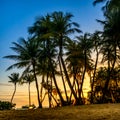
[{"x": 17, "y": 15}]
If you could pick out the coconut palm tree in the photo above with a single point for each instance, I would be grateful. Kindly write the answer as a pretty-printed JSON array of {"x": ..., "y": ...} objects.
[
  {"x": 109, "y": 7},
  {"x": 110, "y": 43},
  {"x": 86, "y": 46},
  {"x": 42, "y": 31},
  {"x": 99, "y": 82},
  {"x": 74, "y": 62},
  {"x": 96, "y": 39},
  {"x": 28, "y": 78},
  {"x": 56, "y": 27},
  {"x": 27, "y": 54},
  {"x": 14, "y": 78},
  {"x": 62, "y": 27}
]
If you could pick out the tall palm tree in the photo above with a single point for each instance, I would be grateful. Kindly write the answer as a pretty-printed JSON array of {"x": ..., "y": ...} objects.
[
  {"x": 110, "y": 5},
  {"x": 28, "y": 78},
  {"x": 110, "y": 43},
  {"x": 62, "y": 27},
  {"x": 56, "y": 27},
  {"x": 14, "y": 78},
  {"x": 86, "y": 46},
  {"x": 27, "y": 53},
  {"x": 74, "y": 62},
  {"x": 96, "y": 38},
  {"x": 42, "y": 31}
]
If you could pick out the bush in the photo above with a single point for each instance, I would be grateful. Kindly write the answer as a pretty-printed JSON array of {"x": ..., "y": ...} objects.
[
  {"x": 25, "y": 107},
  {"x": 29, "y": 107},
  {"x": 5, "y": 105}
]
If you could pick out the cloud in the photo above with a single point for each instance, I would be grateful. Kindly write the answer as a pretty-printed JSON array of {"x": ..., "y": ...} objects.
[{"x": 5, "y": 84}]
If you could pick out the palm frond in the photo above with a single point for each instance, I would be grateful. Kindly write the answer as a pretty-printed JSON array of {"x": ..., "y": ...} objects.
[{"x": 98, "y": 1}]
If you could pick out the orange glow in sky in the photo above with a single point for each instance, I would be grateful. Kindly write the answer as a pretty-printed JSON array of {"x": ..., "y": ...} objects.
[{"x": 21, "y": 96}]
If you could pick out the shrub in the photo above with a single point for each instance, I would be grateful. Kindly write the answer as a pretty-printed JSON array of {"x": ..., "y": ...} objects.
[{"x": 5, "y": 105}]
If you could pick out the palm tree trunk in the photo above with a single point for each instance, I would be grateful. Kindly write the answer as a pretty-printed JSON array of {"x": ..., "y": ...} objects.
[
  {"x": 29, "y": 95},
  {"x": 53, "y": 73},
  {"x": 54, "y": 99},
  {"x": 37, "y": 88},
  {"x": 92, "y": 84},
  {"x": 48, "y": 92},
  {"x": 54, "y": 80},
  {"x": 41, "y": 90},
  {"x": 69, "y": 83},
  {"x": 13, "y": 93},
  {"x": 58, "y": 91},
  {"x": 107, "y": 81},
  {"x": 83, "y": 76},
  {"x": 73, "y": 84},
  {"x": 114, "y": 61},
  {"x": 63, "y": 79}
]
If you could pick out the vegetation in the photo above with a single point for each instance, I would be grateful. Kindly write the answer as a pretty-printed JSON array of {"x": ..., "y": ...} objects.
[
  {"x": 86, "y": 112},
  {"x": 14, "y": 78},
  {"x": 5, "y": 105},
  {"x": 28, "y": 78},
  {"x": 49, "y": 52}
]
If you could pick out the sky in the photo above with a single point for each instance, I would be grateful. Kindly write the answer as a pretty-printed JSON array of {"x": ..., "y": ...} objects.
[{"x": 17, "y": 15}]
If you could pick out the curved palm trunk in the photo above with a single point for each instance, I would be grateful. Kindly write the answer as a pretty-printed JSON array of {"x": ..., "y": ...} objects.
[
  {"x": 114, "y": 60},
  {"x": 41, "y": 90},
  {"x": 54, "y": 80},
  {"x": 49, "y": 97},
  {"x": 73, "y": 84},
  {"x": 13, "y": 93},
  {"x": 69, "y": 83},
  {"x": 63, "y": 79},
  {"x": 53, "y": 75},
  {"x": 107, "y": 81},
  {"x": 29, "y": 95},
  {"x": 92, "y": 84},
  {"x": 54, "y": 99},
  {"x": 76, "y": 85},
  {"x": 58, "y": 91},
  {"x": 50, "y": 92},
  {"x": 43, "y": 98},
  {"x": 111, "y": 71},
  {"x": 65, "y": 70},
  {"x": 37, "y": 88},
  {"x": 83, "y": 76}
]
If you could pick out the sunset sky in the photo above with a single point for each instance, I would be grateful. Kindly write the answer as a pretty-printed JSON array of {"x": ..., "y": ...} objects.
[{"x": 15, "y": 18}]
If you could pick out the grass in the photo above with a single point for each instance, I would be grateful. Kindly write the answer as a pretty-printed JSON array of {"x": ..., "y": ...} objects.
[{"x": 84, "y": 112}]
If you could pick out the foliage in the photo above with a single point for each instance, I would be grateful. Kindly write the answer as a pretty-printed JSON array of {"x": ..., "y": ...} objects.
[
  {"x": 29, "y": 107},
  {"x": 49, "y": 51},
  {"x": 5, "y": 105}
]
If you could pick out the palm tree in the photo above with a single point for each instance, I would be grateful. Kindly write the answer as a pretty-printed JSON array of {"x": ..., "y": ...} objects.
[
  {"x": 42, "y": 31},
  {"x": 110, "y": 43},
  {"x": 96, "y": 38},
  {"x": 74, "y": 62},
  {"x": 28, "y": 78},
  {"x": 55, "y": 27},
  {"x": 110, "y": 6},
  {"x": 99, "y": 82},
  {"x": 26, "y": 57},
  {"x": 14, "y": 78},
  {"x": 86, "y": 46},
  {"x": 62, "y": 27}
]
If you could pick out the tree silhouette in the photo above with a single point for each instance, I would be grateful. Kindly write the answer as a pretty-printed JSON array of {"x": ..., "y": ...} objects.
[
  {"x": 28, "y": 78},
  {"x": 14, "y": 78},
  {"x": 26, "y": 57}
]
